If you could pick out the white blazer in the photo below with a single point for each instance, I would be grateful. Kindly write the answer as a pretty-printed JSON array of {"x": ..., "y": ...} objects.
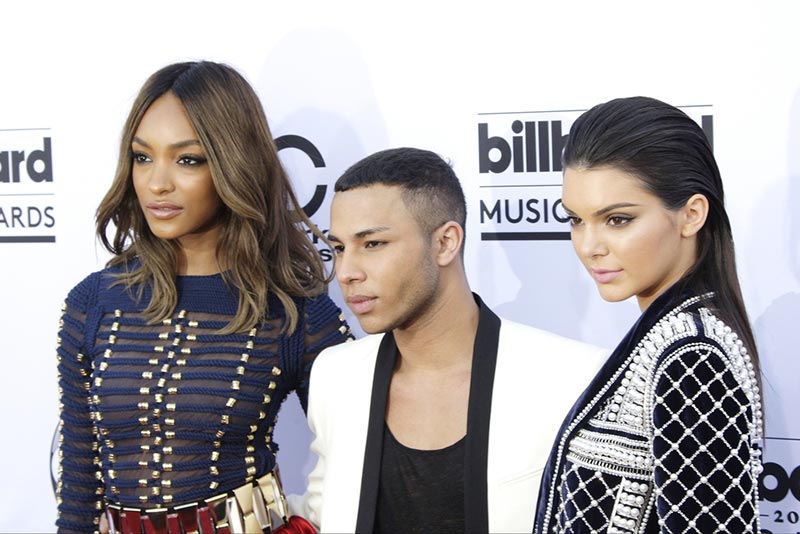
[{"x": 537, "y": 376}]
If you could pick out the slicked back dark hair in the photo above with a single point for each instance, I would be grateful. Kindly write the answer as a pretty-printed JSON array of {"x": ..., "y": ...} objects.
[
  {"x": 673, "y": 159},
  {"x": 431, "y": 190}
]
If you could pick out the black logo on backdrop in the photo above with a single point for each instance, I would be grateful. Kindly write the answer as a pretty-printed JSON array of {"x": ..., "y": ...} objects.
[
  {"x": 519, "y": 172},
  {"x": 27, "y": 213},
  {"x": 306, "y": 147},
  {"x": 312, "y": 206},
  {"x": 779, "y": 487}
]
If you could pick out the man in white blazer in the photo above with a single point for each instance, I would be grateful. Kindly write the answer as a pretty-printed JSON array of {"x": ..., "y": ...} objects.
[{"x": 442, "y": 419}]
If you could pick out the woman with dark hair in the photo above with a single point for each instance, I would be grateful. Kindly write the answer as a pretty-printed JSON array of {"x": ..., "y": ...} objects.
[
  {"x": 666, "y": 437},
  {"x": 174, "y": 360}
]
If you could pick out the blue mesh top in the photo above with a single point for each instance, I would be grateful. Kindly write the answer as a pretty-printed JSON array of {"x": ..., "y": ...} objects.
[{"x": 156, "y": 415}]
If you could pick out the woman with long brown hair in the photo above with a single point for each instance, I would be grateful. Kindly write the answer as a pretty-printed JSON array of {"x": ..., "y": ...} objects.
[{"x": 174, "y": 359}]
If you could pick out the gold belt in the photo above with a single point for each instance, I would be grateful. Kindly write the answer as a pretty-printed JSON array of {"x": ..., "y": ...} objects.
[{"x": 248, "y": 508}]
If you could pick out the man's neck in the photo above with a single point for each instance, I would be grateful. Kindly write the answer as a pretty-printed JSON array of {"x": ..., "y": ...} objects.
[
  {"x": 443, "y": 338},
  {"x": 428, "y": 400}
]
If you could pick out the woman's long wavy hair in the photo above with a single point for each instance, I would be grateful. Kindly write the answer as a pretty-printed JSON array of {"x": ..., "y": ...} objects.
[
  {"x": 263, "y": 243},
  {"x": 673, "y": 159}
]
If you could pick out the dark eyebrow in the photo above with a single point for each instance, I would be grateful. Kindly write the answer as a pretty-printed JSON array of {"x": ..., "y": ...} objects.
[
  {"x": 569, "y": 211},
  {"x": 613, "y": 207},
  {"x": 602, "y": 211},
  {"x": 362, "y": 234},
  {"x": 179, "y": 144}
]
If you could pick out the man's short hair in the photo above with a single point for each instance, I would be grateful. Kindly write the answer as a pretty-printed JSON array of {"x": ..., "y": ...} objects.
[{"x": 431, "y": 190}]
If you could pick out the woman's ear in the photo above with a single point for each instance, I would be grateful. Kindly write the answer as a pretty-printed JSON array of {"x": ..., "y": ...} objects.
[
  {"x": 693, "y": 215},
  {"x": 448, "y": 240}
]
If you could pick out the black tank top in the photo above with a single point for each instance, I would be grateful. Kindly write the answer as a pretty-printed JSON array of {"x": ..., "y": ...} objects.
[{"x": 421, "y": 491}]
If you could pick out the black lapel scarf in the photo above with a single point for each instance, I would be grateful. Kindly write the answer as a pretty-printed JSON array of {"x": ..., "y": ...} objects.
[{"x": 476, "y": 446}]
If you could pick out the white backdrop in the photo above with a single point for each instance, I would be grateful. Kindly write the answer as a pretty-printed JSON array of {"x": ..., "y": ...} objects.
[{"x": 353, "y": 78}]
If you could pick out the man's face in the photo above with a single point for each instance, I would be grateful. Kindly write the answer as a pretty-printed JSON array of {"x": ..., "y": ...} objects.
[{"x": 384, "y": 263}]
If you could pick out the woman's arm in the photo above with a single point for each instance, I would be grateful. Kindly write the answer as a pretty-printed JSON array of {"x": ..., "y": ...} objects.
[
  {"x": 79, "y": 491},
  {"x": 702, "y": 419},
  {"x": 325, "y": 326}
]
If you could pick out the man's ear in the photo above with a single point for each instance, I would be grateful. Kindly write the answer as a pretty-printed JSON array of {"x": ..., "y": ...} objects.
[
  {"x": 448, "y": 240},
  {"x": 693, "y": 215}
]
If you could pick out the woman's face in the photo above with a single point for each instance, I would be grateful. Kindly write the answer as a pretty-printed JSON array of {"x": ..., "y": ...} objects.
[
  {"x": 172, "y": 178},
  {"x": 628, "y": 241}
]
